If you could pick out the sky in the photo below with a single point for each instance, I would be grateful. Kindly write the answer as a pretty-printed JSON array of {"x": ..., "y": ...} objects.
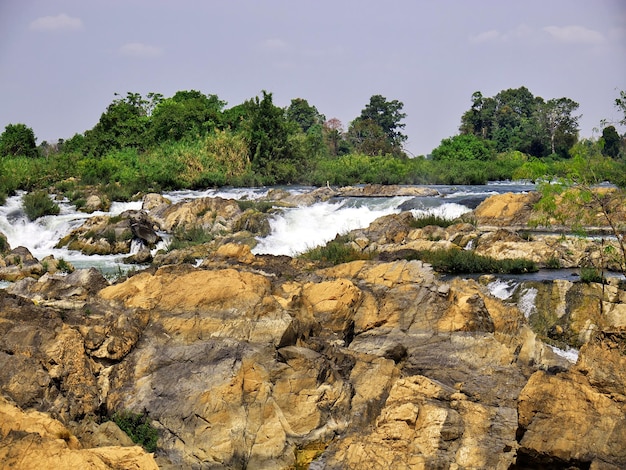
[{"x": 62, "y": 61}]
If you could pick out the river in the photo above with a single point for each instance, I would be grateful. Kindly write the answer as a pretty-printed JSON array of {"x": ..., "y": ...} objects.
[{"x": 293, "y": 231}]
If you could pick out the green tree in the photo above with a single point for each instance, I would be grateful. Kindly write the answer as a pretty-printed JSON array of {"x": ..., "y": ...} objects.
[
  {"x": 303, "y": 114},
  {"x": 463, "y": 147},
  {"x": 386, "y": 115},
  {"x": 18, "y": 140},
  {"x": 611, "y": 142},
  {"x": 561, "y": 127},
  {"x": 267, "y": 133},
  {"x": 122, "y": 125},
  {"x": 367, "y": 137},
  {"x": 186, "y": 114}
]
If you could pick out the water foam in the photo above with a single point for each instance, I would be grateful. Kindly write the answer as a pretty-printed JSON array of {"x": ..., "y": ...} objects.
[{"x": 300, "y": 229}]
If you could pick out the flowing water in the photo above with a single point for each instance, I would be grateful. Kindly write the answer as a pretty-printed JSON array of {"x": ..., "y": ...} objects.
[{"x": 293, "y": 231}]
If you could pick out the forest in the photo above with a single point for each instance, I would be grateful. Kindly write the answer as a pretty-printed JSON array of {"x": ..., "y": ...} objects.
[{"x": 192, "y": 140}]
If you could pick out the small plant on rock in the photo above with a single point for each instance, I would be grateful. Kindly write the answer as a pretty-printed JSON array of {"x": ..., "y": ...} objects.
[{"x": 138, "y": 428}]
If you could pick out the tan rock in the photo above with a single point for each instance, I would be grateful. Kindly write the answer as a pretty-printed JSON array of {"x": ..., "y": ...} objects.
[{"x": 31, "y": 439}]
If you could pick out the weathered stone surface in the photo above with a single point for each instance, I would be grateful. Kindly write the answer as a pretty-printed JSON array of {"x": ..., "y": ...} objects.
[
  {"x": 246, "y": 361},
  {"x": 506, "y": 210},
  {"x": 31, "y": 439},
  {"x": 381, "y": 190}
]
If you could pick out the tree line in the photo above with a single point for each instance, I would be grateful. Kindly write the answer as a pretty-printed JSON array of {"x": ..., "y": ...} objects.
[{"x": 192, "y": 139}]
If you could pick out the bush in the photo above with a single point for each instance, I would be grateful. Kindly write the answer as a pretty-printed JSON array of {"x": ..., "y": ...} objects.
[
  {"x": 431, "y": 219},
  {"x": 138, "y": 428},
  {"x": 37, "y": 204},
  {"x": 335, "y": 252},
  {"x": 588, "y": 275},
  {"x": 467, "y": 262},
  {"x": 184, "y": 237}
]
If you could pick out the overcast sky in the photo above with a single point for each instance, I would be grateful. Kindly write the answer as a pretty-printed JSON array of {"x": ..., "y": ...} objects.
[{"x": 61, "y": 61}]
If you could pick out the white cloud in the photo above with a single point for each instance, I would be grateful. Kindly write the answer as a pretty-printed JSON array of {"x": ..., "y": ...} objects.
[
  {"x": 575, "y": 34},
  {"x": 485, "y": 36},
  {"x": 60, "y": 22},
  {"x": 138, "y": 49},
  {"x": 521, "y": 32}
]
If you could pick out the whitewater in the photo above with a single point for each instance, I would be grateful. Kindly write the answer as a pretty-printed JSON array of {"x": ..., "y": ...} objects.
[{"x": 293, "y": 230}]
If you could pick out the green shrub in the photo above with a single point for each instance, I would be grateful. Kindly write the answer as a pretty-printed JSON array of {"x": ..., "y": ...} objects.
[
  {"x": 589, "y": 274},
  {"x": 553, "y": 263},
  {"x": 184, "y": 237},
  {"x": 64, "y": 266},
  {"x": 431, "y": 219},
  {"x": 335, "y": 252},
  {"x": 37, "y": 204},
  {"x": 261, "y": 206},
  {"x": 138, "y": 428},
  {"x": 467, "y": 262}
]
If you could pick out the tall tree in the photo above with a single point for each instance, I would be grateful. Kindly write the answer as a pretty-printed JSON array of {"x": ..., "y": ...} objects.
[
  {"x": 186, "y": 114},
  {"x": 559, "y": 123},
  {"x": 386, "y": 115},
  {"x": 18, "y": 140},
  {"x": 267, "y": 132},
  {"x": 122, "y": 125},
  {"x": 303, "y": 114},
  {"x": 333, "y": 130},
  {"x": 611, "y": 142},
  {"x": 620, "y": 104}
]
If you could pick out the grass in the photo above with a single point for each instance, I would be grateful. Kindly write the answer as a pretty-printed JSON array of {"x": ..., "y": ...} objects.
[
  {"x": 38, "y": 204},
  {"x": 589, "y": 274},
  {"x": 184, "y": 238},
  {"x": 431, "y": 219},
  {"x": 261, "y": 206},
  {"x": 138, "y": 428},
  {"x": 335, "y": 252},
  {"x": 467, "y": 262}
]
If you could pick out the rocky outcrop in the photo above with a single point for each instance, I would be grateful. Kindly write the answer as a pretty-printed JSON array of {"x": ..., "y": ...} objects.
[
  {"x": 586, "y": 405},
  {"x": 243, "y": 361},
  {"x": 19, "y": 263},
  {"x": 386, "y": 190},
  {"x": 31, "y": 439}
]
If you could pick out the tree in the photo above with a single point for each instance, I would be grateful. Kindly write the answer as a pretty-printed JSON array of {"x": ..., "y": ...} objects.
[
  {"x": 186, "y": 114},
  {"x": 267, "y": 133},
  {"x": 558, "y": 121},
  {"x": 620, "y": 104},
  {"x": 333, "y": 130},
  {"x": 386, "y": 115},
  {"x": 369, "y": 138},
  {"x": 18, "y": 140},
  {"x": 303, "y": 114},
  {"x": 463, "y": 147},
  {"x": 611, "y": 142},
  {"x": 122, "y": 125}
]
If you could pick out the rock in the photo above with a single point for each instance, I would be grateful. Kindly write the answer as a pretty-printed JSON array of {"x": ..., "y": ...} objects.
[
  {"x": 93, "y": 203},
  {"x": 142, "y": 228},
  {"x": 506, "y": 210},
  {"x": 152, "y": 201},
  {"x": 380, "y": 190},
  {"x": 197, "y": 212},
  {"x": 31, "y": 439}
]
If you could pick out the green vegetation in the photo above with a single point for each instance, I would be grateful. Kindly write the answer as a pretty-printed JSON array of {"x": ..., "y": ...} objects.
[
  {"x": 457, "y": 261},
  {"x": 138, "y": 428},
  {"x": 431, "y": 219},
  {"x": 335, "y": 252},
  {"x": 38, "y": 203},
  {"x": 184, "y": 238},
  {"x": 193, "y": 141},
  {"x": 590, "y": 274}
]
